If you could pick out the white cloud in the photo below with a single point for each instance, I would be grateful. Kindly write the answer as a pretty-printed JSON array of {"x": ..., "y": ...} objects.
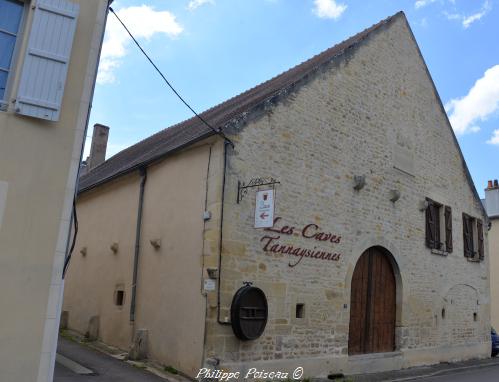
[
  {"x": 328, "y": 9},
  {"x": 423, "y": 23},
  {"x": 481, "y": 102},
  {"x": 468, "y": 20},
  {"x": 144, "y": 22},
  {"x": 494, "y": 140},
  {"x": 423, "y": 3},
  {"x": 194, "y": 4}
]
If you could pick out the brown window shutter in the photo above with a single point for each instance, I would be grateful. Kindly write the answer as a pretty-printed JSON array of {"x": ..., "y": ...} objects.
[
  {"x": 430, "y": 225},
  {"x": 479, "y": 230},
  {"x": 436, "y": 219},
  {"x": 448, "y": 229},
  {"x": 467, "y": 236}
]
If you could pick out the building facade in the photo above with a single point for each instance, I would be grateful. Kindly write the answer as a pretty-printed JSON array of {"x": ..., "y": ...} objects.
[
  {"x": 492, "y": 207},
  {"x": 375, "y": 257},
  {"x": 48, "y": 62}
]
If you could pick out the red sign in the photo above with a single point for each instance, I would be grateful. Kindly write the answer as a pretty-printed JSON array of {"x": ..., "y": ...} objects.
[{"x": 272, "y": 242}]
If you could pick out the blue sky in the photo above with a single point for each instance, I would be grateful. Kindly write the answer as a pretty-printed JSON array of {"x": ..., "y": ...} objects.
[{"x": 212, "y": 50}]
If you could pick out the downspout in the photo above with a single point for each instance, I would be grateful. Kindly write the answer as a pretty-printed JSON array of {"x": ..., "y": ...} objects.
[
  {"x": 143, "y": 174},
  {"x": 203, "y": 293},
  {"x": 220, "y": 246}
]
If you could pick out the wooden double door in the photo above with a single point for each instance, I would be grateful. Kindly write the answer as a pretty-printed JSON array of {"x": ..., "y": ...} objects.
[{"x": 373, "y": 304}]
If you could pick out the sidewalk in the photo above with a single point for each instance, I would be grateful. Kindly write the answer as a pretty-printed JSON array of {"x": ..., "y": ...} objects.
[{"x": 419, "y": 373}]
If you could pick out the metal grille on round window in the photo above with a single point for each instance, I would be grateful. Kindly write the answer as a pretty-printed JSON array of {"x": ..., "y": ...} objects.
[{"x": 249, "y": 313}]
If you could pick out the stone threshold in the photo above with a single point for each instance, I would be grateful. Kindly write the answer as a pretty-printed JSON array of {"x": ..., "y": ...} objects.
[{"x": 372, "y": 356}]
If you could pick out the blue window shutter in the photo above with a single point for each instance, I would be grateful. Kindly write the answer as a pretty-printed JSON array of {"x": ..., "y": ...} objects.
[{"x": 43, "y": 76}]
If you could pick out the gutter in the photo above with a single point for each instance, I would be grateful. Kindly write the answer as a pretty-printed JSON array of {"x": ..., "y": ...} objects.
[{"x": 143, "y": 174}]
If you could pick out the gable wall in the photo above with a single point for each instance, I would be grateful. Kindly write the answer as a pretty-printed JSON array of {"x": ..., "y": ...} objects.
[{"x": 375, "y": 104}]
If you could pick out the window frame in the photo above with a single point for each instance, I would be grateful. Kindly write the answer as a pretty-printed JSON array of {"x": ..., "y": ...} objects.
[
  {"x": 477, "y": 238},
  {"x": 16, "y": 55},
  {"x": 439, "y": 243}
]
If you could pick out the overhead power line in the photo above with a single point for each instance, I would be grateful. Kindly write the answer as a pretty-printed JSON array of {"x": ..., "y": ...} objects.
[{"x": 217, "y": 131}]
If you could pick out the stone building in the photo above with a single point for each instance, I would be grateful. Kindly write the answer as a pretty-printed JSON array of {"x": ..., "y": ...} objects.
[{"x": 372, "y": 254}]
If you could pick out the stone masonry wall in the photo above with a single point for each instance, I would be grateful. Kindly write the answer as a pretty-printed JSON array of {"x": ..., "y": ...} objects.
[
  {"x": 494, "y": 269},
  {"x": 368, "y": 112}
]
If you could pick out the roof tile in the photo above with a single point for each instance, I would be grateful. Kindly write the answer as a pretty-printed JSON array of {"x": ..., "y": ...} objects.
[{"x": 192, "y": 130}]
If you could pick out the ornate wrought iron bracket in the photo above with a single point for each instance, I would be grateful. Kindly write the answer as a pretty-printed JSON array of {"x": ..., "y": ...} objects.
[{"x": 242, "y": 187}]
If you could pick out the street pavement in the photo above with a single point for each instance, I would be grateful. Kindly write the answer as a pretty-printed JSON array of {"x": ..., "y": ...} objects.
[
  {"x": 108, "y": 369},
  {"x": 105, "y": 367},
  {"x": 483, "y": 370},
  {"x": 481, "y": 374}
]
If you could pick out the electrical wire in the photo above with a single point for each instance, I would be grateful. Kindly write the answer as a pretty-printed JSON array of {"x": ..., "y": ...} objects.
[
  {"x": 68, "y": 258},
  {"x": 217, "y": 131}
]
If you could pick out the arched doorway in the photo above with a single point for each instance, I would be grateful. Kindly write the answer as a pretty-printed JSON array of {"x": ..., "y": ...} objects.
[{"x": 372, "y": 304}]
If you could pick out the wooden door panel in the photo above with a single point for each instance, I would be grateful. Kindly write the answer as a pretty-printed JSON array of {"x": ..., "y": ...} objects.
[
  {"x": 372, "y": 308},
  {"x": 383, "y": 303},
  {"x": 358, "y": 306}
]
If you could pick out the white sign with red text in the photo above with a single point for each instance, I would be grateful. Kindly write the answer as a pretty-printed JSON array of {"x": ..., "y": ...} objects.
[{"x": 264, "y": 209}]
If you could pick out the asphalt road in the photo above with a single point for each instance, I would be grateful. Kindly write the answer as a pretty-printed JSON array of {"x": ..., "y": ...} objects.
[
  {"x": 106, "y": 368},
  {"x": 481, "y": 374},
  {"x": 109, "y": 369}
]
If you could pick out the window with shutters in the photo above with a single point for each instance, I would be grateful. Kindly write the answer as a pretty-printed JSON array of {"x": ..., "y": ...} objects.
[
  {"x": 11, "y": 15},
  {"x": 473, "y": 241},
  {"x": 46, "y": 59},
  {"x": 438, "y": 227}
]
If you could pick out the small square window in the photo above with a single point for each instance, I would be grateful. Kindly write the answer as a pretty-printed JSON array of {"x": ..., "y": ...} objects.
[
  {"x": 119, "y": 297},
  {"x": 300, "y": 310}
]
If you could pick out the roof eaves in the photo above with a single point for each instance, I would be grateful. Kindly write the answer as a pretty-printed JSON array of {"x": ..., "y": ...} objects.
[{"x": 146, "y": 163}]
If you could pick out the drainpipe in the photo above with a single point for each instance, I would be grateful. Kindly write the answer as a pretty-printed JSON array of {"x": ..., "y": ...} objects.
[
  {"x": 220, "y": 246},
  {"x": 143, "y": 174}
]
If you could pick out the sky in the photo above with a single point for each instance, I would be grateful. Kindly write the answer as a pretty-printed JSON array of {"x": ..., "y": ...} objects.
[{"x": 212, "y": 50}]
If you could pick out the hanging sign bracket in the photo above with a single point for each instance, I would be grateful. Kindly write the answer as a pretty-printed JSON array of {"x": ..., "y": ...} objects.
[{"x": 243, "y": 187}]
